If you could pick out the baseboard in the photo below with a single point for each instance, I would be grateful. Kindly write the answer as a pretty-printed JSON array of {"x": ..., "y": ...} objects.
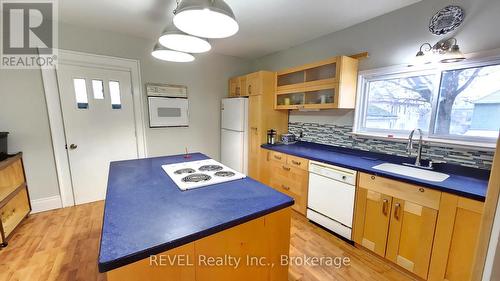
[{"x": 46, "y": 204}]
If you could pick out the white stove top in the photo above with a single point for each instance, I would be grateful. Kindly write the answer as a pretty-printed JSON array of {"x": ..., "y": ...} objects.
[{"x": 194, "y": 174}]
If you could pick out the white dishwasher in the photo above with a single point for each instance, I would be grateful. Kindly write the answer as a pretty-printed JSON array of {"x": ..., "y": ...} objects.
[{"x": 331, "y": 197}]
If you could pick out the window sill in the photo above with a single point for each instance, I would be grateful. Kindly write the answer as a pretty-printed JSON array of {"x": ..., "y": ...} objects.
[{"x": 484, "y": 146}]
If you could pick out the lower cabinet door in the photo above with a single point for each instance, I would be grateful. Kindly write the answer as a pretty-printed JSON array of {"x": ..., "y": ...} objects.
[
  {"x": 411, "y": 234},
  {"x": 456, "y": 238},
  {"x": 372, "y": 220}
]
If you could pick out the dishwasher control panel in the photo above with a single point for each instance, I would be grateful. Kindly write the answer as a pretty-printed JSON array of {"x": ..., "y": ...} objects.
[{"x": 333, "y": 172}]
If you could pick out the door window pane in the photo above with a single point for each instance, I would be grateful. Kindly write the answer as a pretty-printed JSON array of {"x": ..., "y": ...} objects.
[
  {"x": 469, "y": 102},
  {"x": 114, "y": 92},
  {"x": 98, "y": 89},
  {"x": 399, "y": 104},
  {"x": 81, "y": 93}
]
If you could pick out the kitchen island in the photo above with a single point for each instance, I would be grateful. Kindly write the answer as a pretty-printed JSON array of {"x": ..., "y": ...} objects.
[{"x": 152, "y": 230}]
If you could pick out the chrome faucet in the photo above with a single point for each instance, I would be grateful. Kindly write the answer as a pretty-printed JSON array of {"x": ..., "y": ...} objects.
[{"x": 419, "y": 150}]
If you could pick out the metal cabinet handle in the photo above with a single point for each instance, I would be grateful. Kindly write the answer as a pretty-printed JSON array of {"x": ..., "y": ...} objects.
[
  {"x": 286, "y": 168},
  {"x": 296, "y": 162},
  {"x": 249, "y": 89},
  {"x": 285, "y": 187},
  {"x": 277, "y": 157},
  {"x": 421, "y": 189},
  {"x": 397, "y": 210},
  {"x": 73, "y": 146},
  {"x": 385, "y": 205},
  {"x": 373, "y": 177}
]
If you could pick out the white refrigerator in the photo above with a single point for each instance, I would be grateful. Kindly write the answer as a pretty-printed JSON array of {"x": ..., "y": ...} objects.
[{"x": 234, "y": 134}]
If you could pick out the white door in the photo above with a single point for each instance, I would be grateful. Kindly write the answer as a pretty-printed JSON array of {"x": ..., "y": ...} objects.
[{"x": 99, "y": 125}]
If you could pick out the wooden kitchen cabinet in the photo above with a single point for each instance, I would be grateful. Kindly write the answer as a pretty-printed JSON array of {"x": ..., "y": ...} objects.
[
  {"x": 429, "y": 233},
  {"x": 266, "y": 237},
  {"x": 456, "y": 238},
  {"x": 261, "y": 117},
  {"x": 411, "y": 233},
  {"x": 234, "y": 87},
  {"x": 397, "y": 221},
  {"x": 326, "y": 84},
  {"x": 237, "y": 87},
  {"x": 291, "y": 179},
  {"x": 254, "y": 83},
  {"x": 372, "y": 220}
]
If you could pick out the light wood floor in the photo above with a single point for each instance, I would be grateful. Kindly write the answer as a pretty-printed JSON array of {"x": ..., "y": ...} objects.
[{"x": 63, "y": 245}]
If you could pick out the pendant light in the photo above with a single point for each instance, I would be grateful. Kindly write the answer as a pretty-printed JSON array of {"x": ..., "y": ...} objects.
[
  {"x": 205, "y": 18},
  {"x": 166, "y": 54},
  {"x": 173, "y": 38}
]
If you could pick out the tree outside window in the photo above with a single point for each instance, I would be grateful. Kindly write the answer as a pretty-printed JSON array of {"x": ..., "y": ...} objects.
[{"x": 467, "y": 103}]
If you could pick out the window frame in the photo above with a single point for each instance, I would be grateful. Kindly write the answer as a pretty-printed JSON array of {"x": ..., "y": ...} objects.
[{"x": 365, "y": 77}]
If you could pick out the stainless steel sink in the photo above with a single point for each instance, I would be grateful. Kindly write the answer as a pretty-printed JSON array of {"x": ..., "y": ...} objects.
[{"x": 412, "y": 172}]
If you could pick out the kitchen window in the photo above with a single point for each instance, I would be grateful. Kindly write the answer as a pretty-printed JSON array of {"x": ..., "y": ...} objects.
[{"x": 449, "y": 103}]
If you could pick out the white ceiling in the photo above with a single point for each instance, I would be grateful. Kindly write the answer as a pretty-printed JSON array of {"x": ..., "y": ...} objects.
[{"x": 266, "y": 26}]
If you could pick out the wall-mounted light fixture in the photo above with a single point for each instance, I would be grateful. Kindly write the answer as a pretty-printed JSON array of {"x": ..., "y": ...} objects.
[{"x": 444, "y": 51}]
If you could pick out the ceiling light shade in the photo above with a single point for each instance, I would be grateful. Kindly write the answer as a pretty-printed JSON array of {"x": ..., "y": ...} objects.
[
  {"x": 174, "y": 39},
  {"x": 165, "y": 54},
  {"x": 206, "y": 18},
  {"x": 453, "y": 55}
]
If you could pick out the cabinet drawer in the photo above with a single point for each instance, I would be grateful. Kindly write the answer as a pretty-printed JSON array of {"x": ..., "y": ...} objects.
[
  {"x": 291, "y": 181},
  {"x": 277, "y": 156},
  {"x": 13, "y": 212},
  {"x": 297, "y": 162},
  {"x": 11, "y": 177},
  {"x": 421, "y": 195}
]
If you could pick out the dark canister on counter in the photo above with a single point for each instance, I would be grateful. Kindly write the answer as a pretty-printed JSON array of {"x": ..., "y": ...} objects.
[{"x": 271, "y": 136}]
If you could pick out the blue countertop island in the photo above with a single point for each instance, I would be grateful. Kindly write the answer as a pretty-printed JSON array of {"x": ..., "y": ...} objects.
[
  {"x": 464, "y": 181},
  {"x": 146, "y": 213}
]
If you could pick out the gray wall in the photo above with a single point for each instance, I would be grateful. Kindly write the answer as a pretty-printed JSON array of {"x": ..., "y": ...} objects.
[
  {"x": 23, "y": 109},
  {"x": 391, "y": 39}
]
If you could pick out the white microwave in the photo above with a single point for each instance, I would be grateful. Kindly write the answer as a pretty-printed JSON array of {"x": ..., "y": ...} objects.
[{"x": 168, "y": 106}]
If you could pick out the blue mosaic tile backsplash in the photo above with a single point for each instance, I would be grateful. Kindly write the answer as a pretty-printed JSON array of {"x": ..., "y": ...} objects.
[{"x": 341, "y": 136}]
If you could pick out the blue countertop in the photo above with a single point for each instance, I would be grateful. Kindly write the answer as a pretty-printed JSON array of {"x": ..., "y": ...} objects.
[
  {"x": 146, "y": 213},
  {"x": 468, "y": 182}
]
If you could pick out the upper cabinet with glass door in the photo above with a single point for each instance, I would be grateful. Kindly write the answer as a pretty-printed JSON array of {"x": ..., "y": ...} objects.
[{"x": 325, "y": 84}]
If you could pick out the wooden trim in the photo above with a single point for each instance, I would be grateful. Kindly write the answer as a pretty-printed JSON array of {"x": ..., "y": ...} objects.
[
  {"x": 490, "y": 208},
  {"x": 360, "y": 56}
]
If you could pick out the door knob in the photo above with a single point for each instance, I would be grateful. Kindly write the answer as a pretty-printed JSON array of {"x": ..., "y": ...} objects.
[{"x": 73, "y": 146}]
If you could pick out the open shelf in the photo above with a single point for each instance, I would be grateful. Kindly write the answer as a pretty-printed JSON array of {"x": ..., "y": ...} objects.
[{"x": 326, "y": 84}]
